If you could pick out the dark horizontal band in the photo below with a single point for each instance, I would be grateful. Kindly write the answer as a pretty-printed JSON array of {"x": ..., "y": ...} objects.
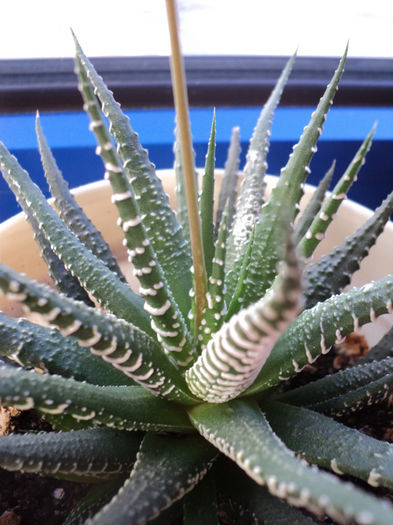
[{"x": 50, "y": 84}]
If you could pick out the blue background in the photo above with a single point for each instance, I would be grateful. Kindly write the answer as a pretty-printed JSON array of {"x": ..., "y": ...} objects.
[{"x": 73, "y": 144}]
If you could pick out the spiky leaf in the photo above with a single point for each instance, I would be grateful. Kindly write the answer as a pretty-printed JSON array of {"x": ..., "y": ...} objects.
[
  {"x": 94, "y": 275},
  {"x": 84, "y": 455},
  {"x": 240, "y": 431},
  {"x": 36, "y": 346},
  {"x": 229, "y": 185},
  {"x": 123, "y": 408},
  {"x": 330, "y": 274},
  {"x": 317, "y": 329},
  {"x": 252, "y": 192},
  {"x": 167, "y": 320},
  {"x": 68, "y": 209},
  {"x": 342, "y": 382},
  {"x": 314, "y": 205},
  {"x": 165, "y": 234},
  {"x": 119, "y": 343},
  {"x": 322, "y": 441},
  {"x": 165, "y": 470},
  {"x": 319, "y": 225},
  {"x": 285, "y": 196},
  {"x": 206, "y": 201}
]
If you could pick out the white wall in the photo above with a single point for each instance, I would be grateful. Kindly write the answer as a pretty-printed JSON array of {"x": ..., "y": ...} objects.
[{"x": 40, "y": 28}]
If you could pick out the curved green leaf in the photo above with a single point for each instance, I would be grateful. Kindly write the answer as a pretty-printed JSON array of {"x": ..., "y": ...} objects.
[
  {"x": 319, "y": 225},
  {"x": 229, "y": 184},
  {"x": 265, "y": 255},
  {"x": 331, "y": 273},
  {"x": 83, "y": 455},
  {"x": 96, "y": 498},
  {"x": 206, "y": 201},
  {"x": 215, "y": 300},
  {"x": 120, "y": 407},
  {"x": 317, "y": 329},
  {"x": 354, "y": 400},
  {"x": 314, "y": 205},
  {"x": 342, "y": 382},
  {"x": 240, "y": 431},
  {"x": 252, "y": 190},
  {"x": 119, "y": 343},
  {"x": 250, "y": 500},
  {"x": 167, "y": 320},
  {"x": 64, "y": 281},
  {"x": 69, "y": 210},
  {"x": 322, "y": 441},
  {"x": 165, "y": 470},
  {"x": 165, "y": 234},
  {"x": 45, "y": 348}
]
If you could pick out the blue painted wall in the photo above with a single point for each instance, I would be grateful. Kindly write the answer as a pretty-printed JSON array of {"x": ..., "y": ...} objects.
[{"x": 73, "y": 144}]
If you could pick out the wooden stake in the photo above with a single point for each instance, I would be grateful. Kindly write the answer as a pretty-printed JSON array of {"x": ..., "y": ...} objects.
[{"x": 181, "y": 105}]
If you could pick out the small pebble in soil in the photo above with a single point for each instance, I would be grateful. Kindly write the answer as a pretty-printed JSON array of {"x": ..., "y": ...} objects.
[
  {"x": 58, "y": 493},
  {"x": 10, "y": 518}
]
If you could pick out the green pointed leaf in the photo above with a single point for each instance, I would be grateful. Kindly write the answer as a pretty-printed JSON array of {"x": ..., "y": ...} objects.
[
  {"x": 330, "y": 274},
  {"x": 70, "y": 212},
  {"x": 181, "y": 199},
  {"x": 240, "y": 431},
  {"x": 234, "y": 355},
  {"x": 321, "y": 440},
  {"x": 235, "y": 302},
  {"x": 83, "y": 455},
  {"x": 229, "y": 184},
  {"x": 165, "y": 470},
  {"x": 342, "y": 382},
  {"x": 285, "y": 196},
  {"x": 159, "y": 219},
  {"x": 314, "y": 205},
  {"x": 119, "y": 343},
  {"x": 94, "y": 275},
  {"x": 64, "y": 281},
  {"x": 247, "y": 498},
  {"x": 215, "y": 301},
  {"x": 166, "y": 318},
  {"x": 369, "y": 394},
  {"x": 252, "y": 190},
  {"x": 45, "y": 348},
  {"x": 120, "y": 407},
  {"x": 206, "y": 201},
  {"x": 317, "y": 329},
  {"x": 319, "y": 225}
]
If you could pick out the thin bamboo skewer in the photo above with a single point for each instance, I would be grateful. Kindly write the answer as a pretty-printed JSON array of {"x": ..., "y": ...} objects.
[{"x": 181, "y": 105}]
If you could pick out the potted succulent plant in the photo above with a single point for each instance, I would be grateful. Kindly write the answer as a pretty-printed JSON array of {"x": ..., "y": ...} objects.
[{"x": 178, "y": 402}]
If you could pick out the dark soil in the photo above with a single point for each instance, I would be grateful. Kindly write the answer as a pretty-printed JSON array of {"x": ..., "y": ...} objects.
[{"x": 28, "y": 499}]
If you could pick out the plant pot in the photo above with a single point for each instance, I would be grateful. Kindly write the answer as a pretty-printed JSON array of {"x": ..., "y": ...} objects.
[{"x": 19, "y": 251}]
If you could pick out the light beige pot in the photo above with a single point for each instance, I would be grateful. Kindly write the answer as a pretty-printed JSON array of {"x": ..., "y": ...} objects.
[{"x": 18, "y": 249}]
